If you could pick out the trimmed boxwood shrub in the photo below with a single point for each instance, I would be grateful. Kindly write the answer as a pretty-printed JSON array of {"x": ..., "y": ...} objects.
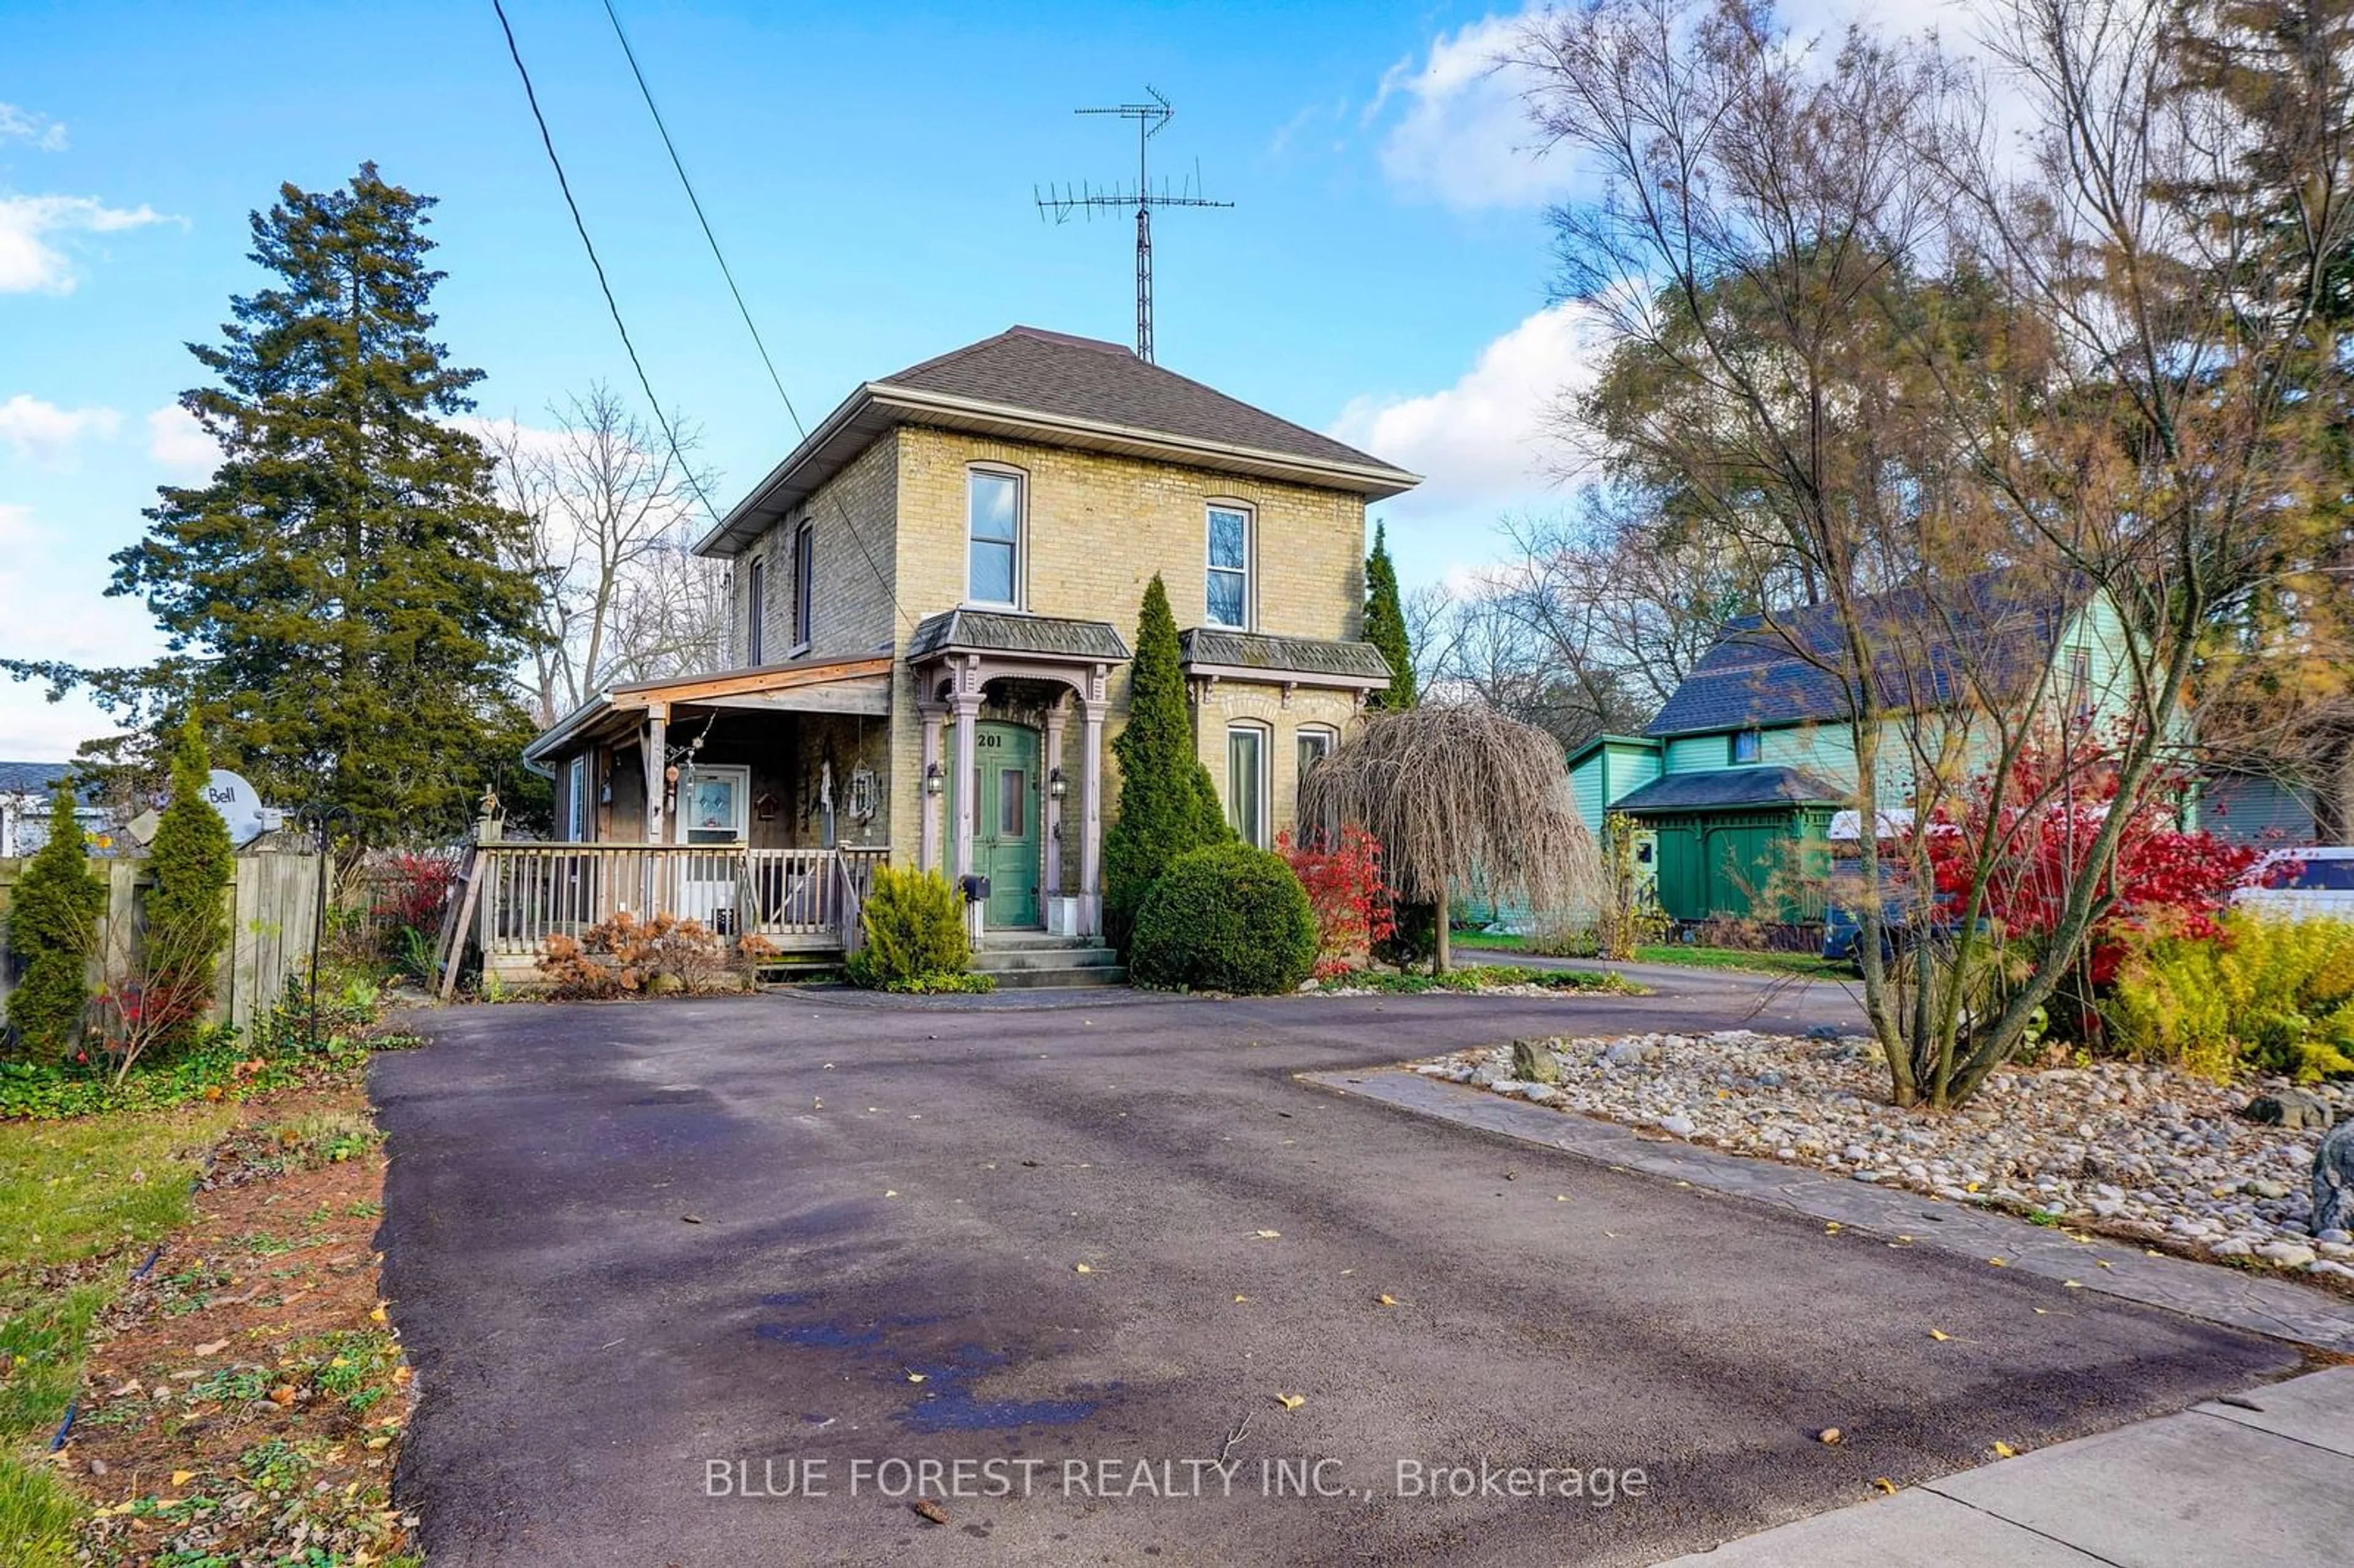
[
  {"x": 1228, "y": 917},
  {"x": 914, "y": 930}
]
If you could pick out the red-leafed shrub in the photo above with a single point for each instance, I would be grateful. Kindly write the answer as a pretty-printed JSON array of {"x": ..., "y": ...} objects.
[
  {"x": 413, "y": 891},
  {"x": 1344, "y": 885},
  {"x": 2045, "y": 825}
]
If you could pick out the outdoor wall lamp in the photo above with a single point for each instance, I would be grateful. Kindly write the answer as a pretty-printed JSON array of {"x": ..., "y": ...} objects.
[
  {"x": 935, "y": 781},
  {"x": 1056, "y": 785}
]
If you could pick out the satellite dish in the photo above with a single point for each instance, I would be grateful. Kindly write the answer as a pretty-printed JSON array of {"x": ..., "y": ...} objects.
[{"x": 240, "y": 807}]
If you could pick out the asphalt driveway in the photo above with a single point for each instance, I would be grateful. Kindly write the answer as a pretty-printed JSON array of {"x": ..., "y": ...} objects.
[{"x": 645, "y": 1254}]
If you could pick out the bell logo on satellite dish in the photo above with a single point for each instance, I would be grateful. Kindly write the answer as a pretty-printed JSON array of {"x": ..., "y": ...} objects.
[{"x": 240, "y": 807}]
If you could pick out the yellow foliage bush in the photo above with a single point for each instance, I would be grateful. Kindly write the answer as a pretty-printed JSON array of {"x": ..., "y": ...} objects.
[{"x": 2269, "y": 995}]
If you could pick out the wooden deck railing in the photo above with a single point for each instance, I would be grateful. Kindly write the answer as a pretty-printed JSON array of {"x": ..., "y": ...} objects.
[{"x": 800, "y": 899}]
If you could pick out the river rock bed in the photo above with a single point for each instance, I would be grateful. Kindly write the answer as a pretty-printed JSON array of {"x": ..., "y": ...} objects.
[{"x": 2136, "y": 1151}]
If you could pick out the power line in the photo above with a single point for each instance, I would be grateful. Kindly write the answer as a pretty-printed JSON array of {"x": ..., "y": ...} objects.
[
  {"x": 799, "y": 429},
  {"x": 581, "y": 227}
]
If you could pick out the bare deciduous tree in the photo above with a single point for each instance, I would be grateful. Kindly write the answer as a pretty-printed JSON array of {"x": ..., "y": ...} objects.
[
  {"x": 611, "y": 510},
  {"x": 1862, "y": 346}
]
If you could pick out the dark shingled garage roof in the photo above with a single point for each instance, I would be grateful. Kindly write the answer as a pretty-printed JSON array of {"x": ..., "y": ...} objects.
[
  {"x": 1990, "y": 635},
  {"x": 1720, "y": 788},
  {"x": 1005, "y": 632},
  {"x": 1349, "y": 661}
]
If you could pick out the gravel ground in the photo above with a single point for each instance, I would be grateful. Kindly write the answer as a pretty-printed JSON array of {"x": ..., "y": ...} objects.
[{"x": 2135, "y": 1151}]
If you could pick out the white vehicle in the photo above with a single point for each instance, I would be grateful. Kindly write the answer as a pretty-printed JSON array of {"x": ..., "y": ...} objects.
[{"x": 2320, "y": 886}]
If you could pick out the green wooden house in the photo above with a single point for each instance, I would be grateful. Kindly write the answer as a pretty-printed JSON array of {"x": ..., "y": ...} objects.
[{"x": 1737, "y": 781}]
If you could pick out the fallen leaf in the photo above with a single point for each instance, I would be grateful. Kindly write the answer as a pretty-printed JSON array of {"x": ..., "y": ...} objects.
[
  {"x": 1560, "y": 1197},
  {"x": 2070, "y": 1285},
  {"x": 692, "y": 1219},
  {"x": 2005, "y": 1451},
  {"x": 916, "y": 1377},
  {"x": 182, "y": 1478},
  {"x": 282, "y": 1395},
  {"x": 1081, "y": 1268},
  {"x": 1386, "y": 1300},
  {"x": 1884, "y": 1484},
  {"x": 2042, "y": 1312},
  {"x": 1939, "y": 1334},
  {"x": 926, "y": 1509},
  {"x": 1830, "y": 1435},
  {"x": 1832, "y": 1229},
  {"x": 1270, "y": 1235},
  {"x": 891, "y": 1191},
  {"x": 1291, "y": 1401},
  {"x": 1999, "y": 1262},
  {"x": 1242, "y": 1297},
  {"x": 378, "y": 1315},
  {"x": 209, "y": 1348}
]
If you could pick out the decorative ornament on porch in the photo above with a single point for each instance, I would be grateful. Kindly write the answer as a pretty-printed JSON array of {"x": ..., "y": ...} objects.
[{"x": 765, "y": 808}]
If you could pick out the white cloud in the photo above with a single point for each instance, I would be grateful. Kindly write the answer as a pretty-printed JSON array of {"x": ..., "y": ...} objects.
[
  {"x": 45, "y": 433},
  {"x": 1481, "y": 443},
  {"x": 29, "y": 263},
  {"x": 25, "y": 125},
  {"x": 1463, "y": 137},
  {"x": 1457, "y": 127},
  {"x": 58, "y": 610},
  {"x": 16, "y": 527},
  {"x": 177, "y": 442}
]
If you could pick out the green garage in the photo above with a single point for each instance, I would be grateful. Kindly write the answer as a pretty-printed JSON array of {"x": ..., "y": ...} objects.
[{"x": 1743, "y": 844}]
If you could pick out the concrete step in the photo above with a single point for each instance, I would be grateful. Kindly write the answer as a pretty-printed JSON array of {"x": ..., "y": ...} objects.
[
  {"x": 1030, "y": 941},
  {"x": 999, "y": 960},
  {"x": 1039, "y": 980}
]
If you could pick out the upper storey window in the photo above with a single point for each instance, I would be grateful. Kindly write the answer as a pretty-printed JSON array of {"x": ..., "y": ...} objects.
[
  {"x": 1229, "y": 576},
  {"x": 994, "y": 536}
]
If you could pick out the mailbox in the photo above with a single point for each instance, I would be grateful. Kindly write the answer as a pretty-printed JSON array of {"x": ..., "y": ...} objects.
[{"x": 976, "y": 888}]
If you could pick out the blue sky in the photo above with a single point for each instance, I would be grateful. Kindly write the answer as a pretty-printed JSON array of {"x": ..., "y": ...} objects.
[{"x": 1383, "y": 275}]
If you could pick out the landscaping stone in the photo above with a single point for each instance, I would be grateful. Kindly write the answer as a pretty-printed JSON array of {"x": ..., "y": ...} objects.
[
  {"x": 2136, "y": 1151},
  {"x": 2288, "y": 1107},
  {"x": 2333, "y": 1181}
]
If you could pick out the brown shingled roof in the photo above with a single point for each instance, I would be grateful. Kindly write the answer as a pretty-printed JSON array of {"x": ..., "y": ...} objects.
[{"x": 1087, "y": 379}]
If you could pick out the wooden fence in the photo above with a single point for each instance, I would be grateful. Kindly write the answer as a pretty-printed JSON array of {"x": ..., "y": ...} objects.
[{"x": 274, "y": 905}]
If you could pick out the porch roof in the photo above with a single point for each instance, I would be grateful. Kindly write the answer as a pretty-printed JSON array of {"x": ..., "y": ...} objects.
[
  {"x": 1301, "y": 661},
  {"x": 1006, "y": 631},
  {"x": 807, "y": 685},
  {"x": 1721, "y": 788}
]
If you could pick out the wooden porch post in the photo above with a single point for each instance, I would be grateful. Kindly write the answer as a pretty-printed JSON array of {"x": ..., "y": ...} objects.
[
  {"x": 1056, "y": 714},
  {"x": 657, "y": 787},
  {"x": 968, "y": 712},
  {"x": 927, "y": 803},
  {"x": 1091, "y": 745}
]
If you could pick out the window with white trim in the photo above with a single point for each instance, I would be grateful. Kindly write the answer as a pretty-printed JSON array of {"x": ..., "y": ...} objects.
[
  {"x": 576, "y": 800},
  {"x": 713, "y": 798},
  {"x": 1229, "y": 566},
  {"x": 1247, "y": 782},
  {"x": 1745, "y": 748},
  {"x": 994, "y": 536},
  {"x": 1311, "y": 747}
]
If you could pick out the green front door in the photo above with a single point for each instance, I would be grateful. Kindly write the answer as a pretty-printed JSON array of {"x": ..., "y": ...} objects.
[{"x": 1005, "y": 826}]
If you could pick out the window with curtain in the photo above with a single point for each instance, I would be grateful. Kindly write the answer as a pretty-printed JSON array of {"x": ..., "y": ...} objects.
[
  {"x": 756, "y": 599},
  {"x": 1229, "y": 578},
  {"x": 1313, "y": 746},
  {"x": 1246, "y": 783},
  {"x": 993, "y": 528},
  {"x": 804, "y": 581}
]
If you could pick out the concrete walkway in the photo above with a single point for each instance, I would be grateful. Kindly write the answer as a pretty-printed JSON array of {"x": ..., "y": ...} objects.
[
  {"x": 1871, "y": 1214},
  {"x": 2254, "y": 1481}
]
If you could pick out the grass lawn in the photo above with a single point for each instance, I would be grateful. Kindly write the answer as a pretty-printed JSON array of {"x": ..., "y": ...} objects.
[
  {"x": 1805, "y": 964},
  {"x": 79, "y": 1200}
]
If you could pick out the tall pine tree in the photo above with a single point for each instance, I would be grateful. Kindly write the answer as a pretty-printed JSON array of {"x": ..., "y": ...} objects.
[
  {"x": 337, "y": 617},
  {"x": 1385, "y": 625},
  {"x": 1168, "y": 803}
]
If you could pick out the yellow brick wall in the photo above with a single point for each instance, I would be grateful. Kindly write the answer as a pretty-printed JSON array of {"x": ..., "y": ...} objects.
[
  {"x": 1096, "y": 528},
  {"x": 1229, "y": 702},
  {"x": 851, "y": 608}
]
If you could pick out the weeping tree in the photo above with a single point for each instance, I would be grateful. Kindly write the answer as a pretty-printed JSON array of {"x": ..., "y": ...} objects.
[{"x": 1452, "y": 791}]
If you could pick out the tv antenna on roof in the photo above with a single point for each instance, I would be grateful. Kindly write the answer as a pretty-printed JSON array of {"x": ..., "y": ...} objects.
[{"x": 1086, "y": 199}]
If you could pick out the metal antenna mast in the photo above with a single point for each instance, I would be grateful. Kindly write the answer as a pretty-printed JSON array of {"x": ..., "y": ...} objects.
[{"x": 1086, "y": 201}]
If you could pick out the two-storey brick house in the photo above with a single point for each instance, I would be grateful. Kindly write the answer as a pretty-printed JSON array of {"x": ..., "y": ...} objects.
[{"x": 933, "y": 595}]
